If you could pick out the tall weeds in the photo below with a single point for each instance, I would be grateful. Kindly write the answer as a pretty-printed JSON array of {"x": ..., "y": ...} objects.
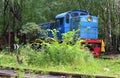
[{"x": 55, "y": 53}]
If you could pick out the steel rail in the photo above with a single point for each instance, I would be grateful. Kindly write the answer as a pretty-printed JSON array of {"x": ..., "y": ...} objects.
[{"x": 50, "y": 74}]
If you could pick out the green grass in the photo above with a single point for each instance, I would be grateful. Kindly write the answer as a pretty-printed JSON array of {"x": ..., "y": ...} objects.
[{"x": 98, "y": 67}]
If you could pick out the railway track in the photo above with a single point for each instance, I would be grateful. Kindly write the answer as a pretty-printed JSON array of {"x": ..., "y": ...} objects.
[
  {"x": 111, "y": 56},
  {"x": 9, "y": 72},
  {"x": 13, "y": 74}
]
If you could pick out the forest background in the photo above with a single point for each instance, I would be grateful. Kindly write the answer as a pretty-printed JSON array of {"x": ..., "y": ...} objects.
[{"x": 16, "y": 13}]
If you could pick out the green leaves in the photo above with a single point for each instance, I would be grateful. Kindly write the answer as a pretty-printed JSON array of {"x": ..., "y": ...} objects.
[
  {"x": 33, "y": 30},
  {"x": 30, "y": 28},
  {"x": 14, "y": 1},
  {"x": 55, "y": 53}
]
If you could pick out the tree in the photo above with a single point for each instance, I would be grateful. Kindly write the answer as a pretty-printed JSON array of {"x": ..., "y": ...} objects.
[{"x": 33, "y": 31}]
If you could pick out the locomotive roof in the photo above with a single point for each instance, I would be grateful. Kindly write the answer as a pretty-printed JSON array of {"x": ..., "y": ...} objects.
[{"x": 64, "y": 14}]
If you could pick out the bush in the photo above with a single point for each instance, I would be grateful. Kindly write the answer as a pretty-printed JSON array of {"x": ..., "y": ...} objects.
[
  {"x": 57, "y": 53},
  {"x": 33, "y": 31}
]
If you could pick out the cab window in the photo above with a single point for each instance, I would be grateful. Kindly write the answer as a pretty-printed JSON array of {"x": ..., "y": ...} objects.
[
  {"x": 82, "y": 14},
  {"x": 75, "y": 15},
  {"x": 61, "y": 21},
  {"x": 67, "y": 18}
]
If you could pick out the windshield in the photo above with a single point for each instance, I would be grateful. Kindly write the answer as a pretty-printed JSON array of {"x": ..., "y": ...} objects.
[
  {"x": 75, "y": 23},
  {"x": 60, "y": 21}
]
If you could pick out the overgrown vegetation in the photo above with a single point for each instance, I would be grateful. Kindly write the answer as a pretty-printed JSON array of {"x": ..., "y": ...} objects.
[
  {"x": 64, "y": 57},
  {"x": 33, "y": 31},
  {"x": 56, "y": 53},
  {"x": 39, "y": 61}
]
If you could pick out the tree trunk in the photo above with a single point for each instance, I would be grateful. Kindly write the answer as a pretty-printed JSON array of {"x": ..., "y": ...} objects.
[{"x": 109, "y": 26}]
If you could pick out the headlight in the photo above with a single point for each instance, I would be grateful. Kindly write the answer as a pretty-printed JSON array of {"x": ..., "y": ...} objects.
[{"x": 89, "y": 19}]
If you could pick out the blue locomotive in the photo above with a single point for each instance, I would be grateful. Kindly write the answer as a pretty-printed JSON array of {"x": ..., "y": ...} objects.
[{"x": 78, "y": 19}]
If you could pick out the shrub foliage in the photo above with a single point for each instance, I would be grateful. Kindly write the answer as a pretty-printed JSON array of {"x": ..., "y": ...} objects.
[{"x": 56, "y": 53}]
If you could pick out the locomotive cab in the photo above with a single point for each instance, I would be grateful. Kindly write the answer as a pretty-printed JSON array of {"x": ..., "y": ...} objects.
[{"x": 83, "y": 21}]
